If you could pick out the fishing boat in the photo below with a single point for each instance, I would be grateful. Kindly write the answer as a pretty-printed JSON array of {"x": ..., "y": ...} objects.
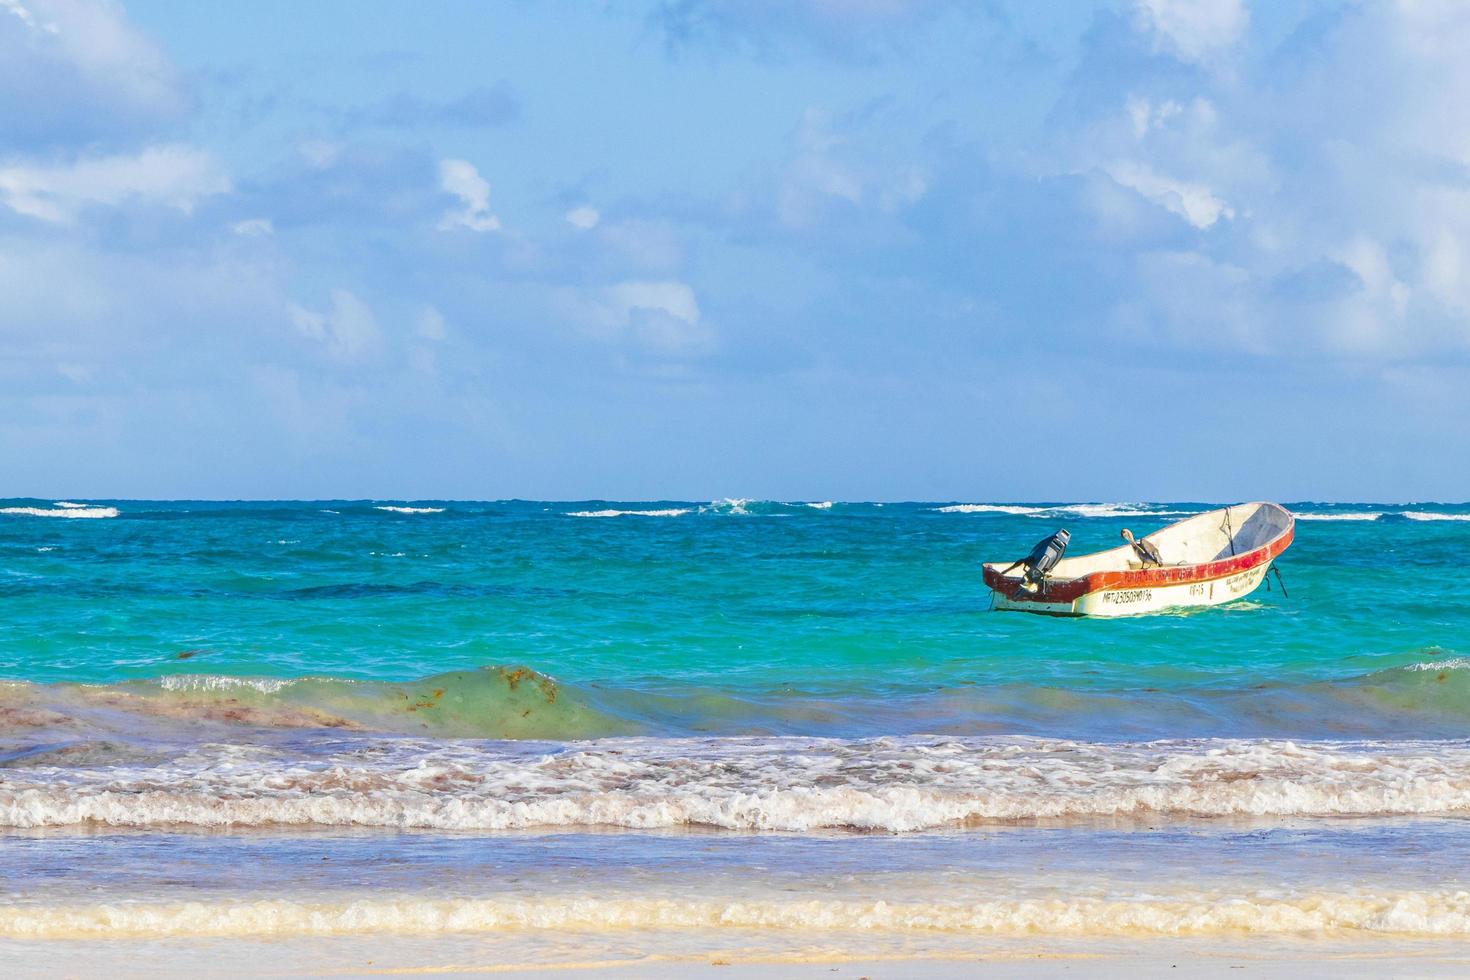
[{"x": 1205, "y": 560}]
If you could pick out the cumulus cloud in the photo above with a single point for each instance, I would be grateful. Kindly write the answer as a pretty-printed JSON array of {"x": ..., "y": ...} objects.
[
  {"x": 1195, "y": 203},
  {"x": 72, "y": 72},
  {"x": 347, "y": 329},
  {"x": 660, "y": 317},
  {"x": 461, "y": 179},
  {"x": 1194, "y": 30},
  {"x": 171, "y": 176}
]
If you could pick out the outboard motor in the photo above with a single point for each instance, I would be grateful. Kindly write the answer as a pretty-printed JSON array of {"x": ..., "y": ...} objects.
[{"x": 1043, "y": 559}]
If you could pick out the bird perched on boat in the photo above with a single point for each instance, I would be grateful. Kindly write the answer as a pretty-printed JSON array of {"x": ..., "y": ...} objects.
[{"x": 1147, "y": 551}]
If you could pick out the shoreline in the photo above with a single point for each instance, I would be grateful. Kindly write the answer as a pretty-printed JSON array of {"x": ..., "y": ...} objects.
[{"x": 454, "y": 956}]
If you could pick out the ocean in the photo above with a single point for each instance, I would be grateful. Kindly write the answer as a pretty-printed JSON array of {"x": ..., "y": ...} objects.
[{"x": 771, "y": 722}]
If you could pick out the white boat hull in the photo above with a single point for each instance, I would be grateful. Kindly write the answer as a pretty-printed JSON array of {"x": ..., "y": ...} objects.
[{"x": 1147, "y": 599}]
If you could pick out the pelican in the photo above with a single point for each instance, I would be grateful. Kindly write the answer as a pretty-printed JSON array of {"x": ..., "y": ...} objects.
[{"x": 1147, "y": 551}]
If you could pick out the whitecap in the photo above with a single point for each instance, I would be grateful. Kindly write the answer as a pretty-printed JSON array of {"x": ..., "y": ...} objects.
[
  {"x": 1367, "y": 515},
  {"x": 74, "y": 512},
  {"x": 409, "y": 510},
  {"x": 987, "y": 509},
  {"x": 68, "y": 505},
  {"x": 820, "y": 505},
  {"x": 669, "y": 512},
  {"x": 1422, "y": 515}
]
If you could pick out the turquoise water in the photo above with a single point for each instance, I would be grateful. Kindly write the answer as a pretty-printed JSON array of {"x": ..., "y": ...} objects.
[
  {"x": 743, "y": 617},
  {"x": 535, "y": 712}
]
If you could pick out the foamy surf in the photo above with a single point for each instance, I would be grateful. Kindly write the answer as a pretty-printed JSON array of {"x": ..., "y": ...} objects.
[
  {"x": 1369, "y": 515},
  {"x": 68, "y": 510},
  {"x": 396, "y": 509},
  {"x": 1421, "y": 515},
  {"x": 758, "y": 784},
  {"x": 1393, "y": 913}
]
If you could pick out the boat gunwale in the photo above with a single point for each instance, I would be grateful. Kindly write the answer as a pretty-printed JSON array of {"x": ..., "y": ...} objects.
[{"x": 1070, "y": 590}]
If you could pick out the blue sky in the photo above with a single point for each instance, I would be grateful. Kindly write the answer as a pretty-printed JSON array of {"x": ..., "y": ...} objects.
[{"x": 854, "y": 249}]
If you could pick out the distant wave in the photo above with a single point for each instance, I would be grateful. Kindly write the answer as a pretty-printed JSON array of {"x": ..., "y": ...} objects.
[
  {"x": 819, "y": 505},
  {"x": 1078, "y": 510},
  {"x": 408, "y": 510},
  {"x": 668, "y": 512},
  {"x": 1420, "y": 515},
  {"x": 1367, "y": 515},
  {"x": 987, "y": 509},
  {"x": 1200, "y": 913},
  {"x": 62, "y": 510}
]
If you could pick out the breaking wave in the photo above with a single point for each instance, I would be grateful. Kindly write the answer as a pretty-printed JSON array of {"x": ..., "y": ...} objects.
[
  {"x": 1420, "y": 515},
  {"x": 1370, "y": 515},
  {"x": 397, "y": 509},
  {"x": 987, "y": 509},
  {"x": 895, "y": 785},
  {"x": 1402, "y": 913},
  {"x": 62, "y": 510},
  {"x": 665, "y": 512}
]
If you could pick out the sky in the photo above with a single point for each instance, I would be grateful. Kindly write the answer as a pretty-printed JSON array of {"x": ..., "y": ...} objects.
[{"x": 692, "y": 249}]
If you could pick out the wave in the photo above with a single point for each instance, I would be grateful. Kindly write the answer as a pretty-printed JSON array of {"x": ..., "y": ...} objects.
[
  {"x": 1430, "y": 697},
  {"x": 665, "y": 512},
  {"x": 1420, "y": 515},
  {"x": 895, "y": 785},
  {"x": 987, "y": 509},
  {"x": 70, "y": 510},
  {"x": 1370, "y": 515},
  {"x": 1389, "y": 914},
  {"x": 408, "y": 510},
  {"x": 1054, "y": 510},
  {"x": 819, "y": 504}
]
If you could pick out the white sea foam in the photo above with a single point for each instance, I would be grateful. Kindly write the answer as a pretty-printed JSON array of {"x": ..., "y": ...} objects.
[
  {"x": 1423, "y": 515},
  {"x": 987, "y": 509},
  {"x": 785, "y": 784},
  {"x": 1453, "y": 663},
  {"x": 1404, "y": 913},
  {"x": 59, "y": 511},
  {"x": 820, "y": 504},
  {"x": 1367, "y": 515},
  {"x": 668, "y": 512},
  {"x": 216, "y": 682},
  {"x": 68, "y": 504},
  {"x": 409, "y": 510}
]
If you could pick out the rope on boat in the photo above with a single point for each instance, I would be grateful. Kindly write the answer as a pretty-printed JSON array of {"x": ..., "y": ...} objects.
[
  {"x": 1277, "y": 569},
  {"x": 1229, "y": 531}
]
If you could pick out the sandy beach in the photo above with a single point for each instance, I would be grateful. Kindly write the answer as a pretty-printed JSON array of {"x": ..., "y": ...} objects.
[{"x": 452, "y": 956}]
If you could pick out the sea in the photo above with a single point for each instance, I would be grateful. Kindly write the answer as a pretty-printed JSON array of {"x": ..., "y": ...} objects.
[{"x": 787, "y": 724}]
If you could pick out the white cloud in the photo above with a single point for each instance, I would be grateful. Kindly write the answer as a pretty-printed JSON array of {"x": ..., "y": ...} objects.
[
  {"x": 460, "y": 178},
  {"x": 254, "y": 228},
  {"x": 171, "y": 176},
  {"x": 348, "y": 329},
  {"x": 1195, "y": 203},
  {"x": 659, "y": 316},
  {"x": 583, "y": 218},
  {"x": 76, "y": 69},
  {"x": 1194, "y": 30}
]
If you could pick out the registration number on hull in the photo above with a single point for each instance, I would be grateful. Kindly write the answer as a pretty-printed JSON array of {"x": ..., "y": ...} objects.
[{"x": 1127, "y": 597}]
